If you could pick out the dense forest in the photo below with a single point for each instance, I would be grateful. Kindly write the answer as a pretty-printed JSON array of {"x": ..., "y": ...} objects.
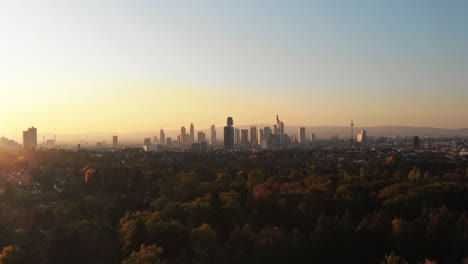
[{"x": 288, "y": 206}]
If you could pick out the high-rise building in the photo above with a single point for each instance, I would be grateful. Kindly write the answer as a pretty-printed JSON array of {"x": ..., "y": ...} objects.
[
  {"x": 169, "y": 142},
  {"x": 147, "y": 142},
  {"x": 260, "y": 137},
  {"x": 244, "y": 136},
  {"x": 312, "y": 137},
  {"x": 302, "y": 135},
  {"x": 115, "y": 142},
  {"x": 213, "y": 135},
  {"x": 229, "y": 135},
  {"x": 183, "y": 135},
  {"x": 279, "y": 132},
  {"x": 236, "y": 136},
  {"x": 253, "y": 135},
  {"x": 30, "y": 138},
  {"x": 155, "y": 140},
  {"x": 362, "y": 136},
  {"x": 201, "y": 137},
  {"x": 282, "y": 136},
  {"x": 192, "y": 132},
  {"x": 267, "y": 133},
  {"x": 162, "y": 137}
]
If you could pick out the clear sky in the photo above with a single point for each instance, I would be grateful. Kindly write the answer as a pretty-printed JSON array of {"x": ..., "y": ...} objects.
[{"x": 71, "y": 66}]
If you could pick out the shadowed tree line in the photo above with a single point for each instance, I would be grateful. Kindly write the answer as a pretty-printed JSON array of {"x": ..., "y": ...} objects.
[{"x": 291, "y": 206}]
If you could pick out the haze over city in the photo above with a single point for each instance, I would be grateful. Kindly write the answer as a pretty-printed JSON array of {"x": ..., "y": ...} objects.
[{"x": 72, "y": 67}]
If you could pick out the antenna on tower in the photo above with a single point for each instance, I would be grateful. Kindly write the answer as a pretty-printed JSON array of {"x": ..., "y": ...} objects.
[{"x": 352, "y": 130}]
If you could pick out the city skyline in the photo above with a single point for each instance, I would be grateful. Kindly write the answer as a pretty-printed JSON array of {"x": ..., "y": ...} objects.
[{"x": 73, "y": 67}]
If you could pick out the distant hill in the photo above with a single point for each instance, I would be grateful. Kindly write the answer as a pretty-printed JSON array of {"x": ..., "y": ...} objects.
[{"x": 322, "y": 132}]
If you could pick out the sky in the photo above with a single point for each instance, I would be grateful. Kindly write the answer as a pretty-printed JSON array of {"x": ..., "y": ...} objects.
[{"x": 70, "y": 67}]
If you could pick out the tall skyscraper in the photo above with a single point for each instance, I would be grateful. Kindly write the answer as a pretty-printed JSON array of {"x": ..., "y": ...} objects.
[
  {"x": 201, "y": 137},
  {"x": 236, "y": 136},
  {"x": 192, "y": 132},
  {"x": 115, "y": 142},
  {"x": 147, "y": 142},
  {"x": 267, "y": 133},
  {"x": 30, "y": 138},
  {"x": 302, "y": 135},
  {"x": 312, "y": 137},
  {"x": 253, "y": 135},
  {"x": 162, "y": 137},
  {"x": 169, "y": 142},
  {"x": 260, "y": 136},
  {"x": 362, "y": 136},
  {"x": 229, "y": 135},
  {"x": 183, "y": 135},
  {"x": 213, "y": 135},
  {"x": 244, "y": 136}
]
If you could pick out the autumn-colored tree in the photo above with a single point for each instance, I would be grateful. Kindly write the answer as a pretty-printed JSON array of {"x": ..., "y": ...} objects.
[{"x": 146, "y": 255}]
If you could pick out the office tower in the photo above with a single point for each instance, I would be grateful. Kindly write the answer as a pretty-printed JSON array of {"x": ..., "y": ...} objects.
[
  {"x": 260, "y": 136},
  {"x": 201, "y": 137},
  {"x": 229, "y": 135},
  {"x": 236, "y": 136},
  {"x": 192, "y": 132},
  {"x": 267, "y": 133},
  {"x": 213, "y": 135},
  {"x": 362, "y": 136},
  {"x": 147, "y": 141},
  {"x": 416, "y": 142},
  {"x": 169, "y": 142},
  {"x": 183, "y": 135},
  {"x": 253, "y": 135},
  {"x": 282, "y": 135},
  {"x": 115, "y": 142},
  {"x": 155, "y": 140},
  {"x": 30, "y": 138},
  {"x": 302, "y": 135},
  {"x": 244, "y": 136},
  {"x": 162, "y": 137},
  {"x": 312, "y": 137}
]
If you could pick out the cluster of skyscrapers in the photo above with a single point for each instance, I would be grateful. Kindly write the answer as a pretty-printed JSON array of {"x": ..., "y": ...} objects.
[{"x": 263, "y": 138}]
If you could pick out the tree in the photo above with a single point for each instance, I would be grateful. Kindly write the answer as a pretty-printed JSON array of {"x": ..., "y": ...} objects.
[
  {"x": 255, "y": 177},
  {"x": 146, "y": 255},
  {"x": 204, "y": 241},
  {"x": 11, "y": 255}
]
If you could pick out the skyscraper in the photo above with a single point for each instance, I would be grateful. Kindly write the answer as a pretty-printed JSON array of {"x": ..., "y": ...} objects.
[
  {"x": 302, "y": 135},
  {"x": 162, "y": 137},
  {"x": 115, "y": 142},
  {"x": 253, "y": 135},
  {"x": 183, "y": 135},
  {"x": 30, "y": 138},
  {"x": 201, "y": 137},
  {"x": 362, "y": 136},
  {"x": 213, "y": 135},
  {"x": 236, "y": 136},
  {"x": 244, "y": 136},
  {"x": 192, "y": 132},
  {"x": 260, "y": 136},
  {"x": 416, "y": 142},
  {"x": 229, "y": 135},
  {"x": 267, "y": 133}
]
